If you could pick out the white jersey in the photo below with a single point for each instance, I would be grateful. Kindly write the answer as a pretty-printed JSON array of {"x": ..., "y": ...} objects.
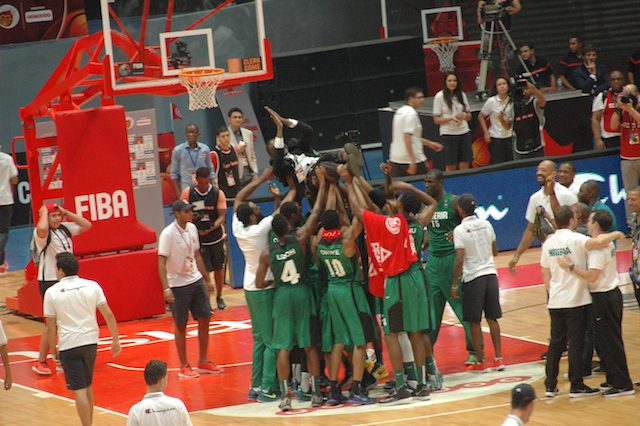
[
  {"x": 476, "y": 237},
  {"x": 406, "y": 121},
  {"x": 252, "y": 240},
  {"x": 604, "y": 260}
]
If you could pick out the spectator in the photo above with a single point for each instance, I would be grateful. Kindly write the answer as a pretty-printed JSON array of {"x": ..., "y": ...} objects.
[
  {"x": 633, "y": 200},
  {"x": 604, "y": 106},
  {"x": 5, "y": 358},
  {"x": 156, "y": 408},
  {"x": 183, "y": 277},
  {"x": 570, "y": 62},
  {"x": 591, "y": 77},
  {"x": 539, "y": 67},
  {"x": 243, "y": 142},
  {"x": 51, "y": 237},
  {"x": 523, "y": 398},
  {"x": 633, "y": 68},
  {"x": 567, "y": 177},
  {"x": 406, "y": 153},
  {"x": 70, "y": 307},
  {"x": 8, "y": 178},
  {"x": 210, "y": 210},
  {"x": 498, "y": 109},
  {"x": 187, "y": 157},
  {"x": 590, "y": 195},
  {"x": 528, "y": 122},
  {"x": 225, "y": 164},
  {"x": 452, "y": 113}
]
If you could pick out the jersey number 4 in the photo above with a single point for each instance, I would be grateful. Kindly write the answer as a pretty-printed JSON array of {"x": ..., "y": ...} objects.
[
  {"x": 290, "y": 273},
  {"x": 336, "y": 270}
]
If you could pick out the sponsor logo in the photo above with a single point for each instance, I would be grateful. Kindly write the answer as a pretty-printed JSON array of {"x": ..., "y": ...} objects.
[
  {"x": 393, "y": 225},
  {"x": 44, "y": 15},
  {"x": 103, "y": 206},
  {"x": 9, "y": 16}
]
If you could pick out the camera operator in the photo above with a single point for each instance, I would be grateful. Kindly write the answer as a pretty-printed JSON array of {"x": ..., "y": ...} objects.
[
  {"x": 627, "y": 120},
  {"x": 528, "y": 120}
]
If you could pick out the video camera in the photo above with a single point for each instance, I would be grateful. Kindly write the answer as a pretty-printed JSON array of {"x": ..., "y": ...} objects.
[
  {"x": 493, "y": 12},
  {"x": 629, "y": 98}
]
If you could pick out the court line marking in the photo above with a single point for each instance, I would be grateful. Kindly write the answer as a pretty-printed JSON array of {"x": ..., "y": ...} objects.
[
  {"x": 486, "y": 330},
  {"x": 128, "y": 368}
]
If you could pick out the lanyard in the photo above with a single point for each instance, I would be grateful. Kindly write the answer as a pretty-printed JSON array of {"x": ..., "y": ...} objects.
[
  {"x": 194, "y": 161},
  {"x": 187, "y": 240},
  {"x": 66, "y": 244}
]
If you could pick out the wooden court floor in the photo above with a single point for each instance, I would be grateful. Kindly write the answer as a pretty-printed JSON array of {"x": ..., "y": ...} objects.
[{"x": 525, "y": 316}]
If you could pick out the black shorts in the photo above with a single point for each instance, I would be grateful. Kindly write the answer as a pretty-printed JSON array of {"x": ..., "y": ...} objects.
[
  {"x": 192, "y": 298},
  {"x": 457, "y": 149},
  {"x": 78, "y": 366},
  {"x": 481, "y": 294},
  {"x": 213, "y": 256},
  {"x": 43, "y": 286}
]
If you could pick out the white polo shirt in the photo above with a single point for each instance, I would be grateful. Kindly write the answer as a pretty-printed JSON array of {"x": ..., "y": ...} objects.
[
  {"x": 179, "y": 247},
  {"x": 8, "y": 170},
  {"x": 442, "y": 109},
  {"x": 604, "y": 260},
  {"x": 566, "y": 289},
  {"x": 59, "y": 243},
  {"x": 490, "y": 109},
  {"x": 252, "y": 240},
  {"x": 476, "y": 237},
  {"x": 3, "y": 335},
  {"x": 564, "y": 195},
  {"x": 512, "y": 420},
  {"x": 158, "y": 409},
  {"x": 598, "y": 105},
  {"x": 406, "y": 120},
  {"x": 73, "y": 302}
]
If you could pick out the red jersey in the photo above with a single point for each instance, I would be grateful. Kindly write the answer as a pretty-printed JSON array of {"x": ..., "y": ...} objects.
[
  {"x": 609, "y": 109},
  {"x": 629, "y": 137},
  {"x": 390, "y": 242}
]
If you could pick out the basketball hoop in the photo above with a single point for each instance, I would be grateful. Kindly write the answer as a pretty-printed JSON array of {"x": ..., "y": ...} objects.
[
  {"x": 445, "y": 48},
  {"x": 201, "y": 84}
]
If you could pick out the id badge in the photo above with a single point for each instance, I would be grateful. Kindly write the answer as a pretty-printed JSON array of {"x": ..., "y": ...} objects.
[
  {"x": 231, "y": 180},
  {"x": 634, "y": 139},
  {"x": 189, "y": 266},
  {"x": 193, "y": 177}
]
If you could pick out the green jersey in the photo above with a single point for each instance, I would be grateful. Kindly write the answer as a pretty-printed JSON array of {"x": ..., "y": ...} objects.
[
  {"x": 417, "y": 233},
  {"x": 444, "y": 221},
  {"x": 288, "y": 262},
  {"x": 340, "y": 268}
]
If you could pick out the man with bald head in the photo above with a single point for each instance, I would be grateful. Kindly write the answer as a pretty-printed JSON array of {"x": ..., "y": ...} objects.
[
  {"x": 188, "y": 157},
  {"x": 550, "y": 196},
  {"x": 590, "y": 195},
  {"x": 604, "y": 106}
]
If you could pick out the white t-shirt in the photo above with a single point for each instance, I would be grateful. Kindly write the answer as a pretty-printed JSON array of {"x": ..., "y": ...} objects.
[
  {"x": 179, "y": 247},
  {"x": 442, "y": 109},
  {"x": 512, "y": 420},
  {"x": 73, "y": 302},
  {"x": 476, "y": 237},
  {"x": 490, "y": 109},
  {"x": 564, "y": 195},
  {"x": 566, "y": 289},
  {"x": 59, "y": 243},
  {"x": 3, "y": 335},
  {"x": 575, "y": 187},
  {"x": 7, "y": 171},
  {"x": 406, "y": 120},
  {"x": 158, "y": 409},
  {"x": 598, "y": 105},
  {"x": 252, "y": 240},
  {"x": 604, "y": 260}
]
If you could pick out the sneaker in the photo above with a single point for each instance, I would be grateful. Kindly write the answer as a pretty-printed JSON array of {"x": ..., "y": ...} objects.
[
  {"x": 421, "y": 393},
  {"x": 187, "y": 372},
  {"x": 41, "y": 368},
  {"x": 303, "y": 396},
  {"x": 604, "y": 386},
  {"x": 360, "y": 399},
  {"x": 210, "y": 368},
  {"x": 400, "y": 396},
  {"x": 478, "y": 367},
  {"x": 317, "y": 400},
  {"x": 471, "y": 360},
  {"x": 637, "y": 383},
  {"x": 221, "y": 304},
  {"x": 583, "y": 392},
  {"x": 336, "y": 399},
  {"x": 379, "y": 371},
  {"x": 613, "y": 392},
  {"x": 435, "y": 382},
  {"x": 498, "y": 365},
  {"x": 551, "y": 392},
  {"x": 368, "y": 381},
  {"x": 355, "y": 161},
  {"x": 285, "y": 403},
  {"x": 253, "y": 394},
  {"x": 268, "y": 397},
  {"x": 4, "y": 268},
  {"x": 390, "y": 386}
]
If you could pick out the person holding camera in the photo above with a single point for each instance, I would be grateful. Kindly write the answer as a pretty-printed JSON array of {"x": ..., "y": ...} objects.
[
  {"x": 499, "y": 135},
  {"x": 528, "y": 120},
  {"x": 604, "y": 107}
]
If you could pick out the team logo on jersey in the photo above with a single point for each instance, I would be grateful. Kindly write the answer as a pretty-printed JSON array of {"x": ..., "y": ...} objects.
[
  {"x": 393, "y": 225},
  {"x": 381, "y": 254}
]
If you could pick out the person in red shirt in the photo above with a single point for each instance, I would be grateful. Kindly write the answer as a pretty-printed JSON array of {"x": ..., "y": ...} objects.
[{"x": 604, "y": 106}]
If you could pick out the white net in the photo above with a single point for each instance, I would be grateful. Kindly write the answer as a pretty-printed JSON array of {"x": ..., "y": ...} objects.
[
  {"x": 445, "y": 49},
  {"x": 202, "y": 85}
]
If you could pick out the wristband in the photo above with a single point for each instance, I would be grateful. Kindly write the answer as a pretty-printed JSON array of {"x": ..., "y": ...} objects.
[{"x": 278, "y": 143}]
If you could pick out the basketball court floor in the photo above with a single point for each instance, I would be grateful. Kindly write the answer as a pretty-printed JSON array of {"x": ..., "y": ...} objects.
[{"x": 481, "y": 399}]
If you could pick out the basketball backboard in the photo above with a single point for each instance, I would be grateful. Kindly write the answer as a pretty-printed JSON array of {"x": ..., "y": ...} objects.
[
  {"x": 147, "y": 43},
  {"x": 442, "y": 22}
]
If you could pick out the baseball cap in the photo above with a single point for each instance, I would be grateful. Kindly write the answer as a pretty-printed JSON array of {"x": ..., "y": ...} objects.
[
  {"x": 467, "y": 202},
  {"x": 52, "y": 207},
  {"x": 522, "y": 394},
  {"x": 181, "y": 205}
]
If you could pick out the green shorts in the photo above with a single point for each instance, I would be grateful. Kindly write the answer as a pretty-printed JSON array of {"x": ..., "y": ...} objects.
[
  {"x": 326, "y": 338},
  {"x": 292, "y": 322},
  {"x": 351, "y": 319},
  {"x": 431, "y": 312},
  {"x": 405, "y": 302}
]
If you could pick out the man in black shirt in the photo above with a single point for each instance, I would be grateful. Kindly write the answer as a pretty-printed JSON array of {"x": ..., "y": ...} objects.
[
  {"x": 225, "y": 164},
  {"x": 528, "y": 121},
  {"x": 570, "y": 62},
  {"x": 539, "y": 67}
]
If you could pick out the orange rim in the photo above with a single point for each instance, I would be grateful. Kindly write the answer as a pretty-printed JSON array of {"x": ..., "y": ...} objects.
[
  {"x": 443, "y": 40},
  {"x": 200, "y": 72}
]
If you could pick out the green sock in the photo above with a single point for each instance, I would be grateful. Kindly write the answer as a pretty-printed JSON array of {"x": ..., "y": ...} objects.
[
  {"x": 399, "y": 376},
  {"x": 316, "y": 385},
  {"x": 432, "y": 367},
  {"x": 421, "y": 376},
  {"x": 410, "y": 368},
  {"x": 284, "y": 388}
]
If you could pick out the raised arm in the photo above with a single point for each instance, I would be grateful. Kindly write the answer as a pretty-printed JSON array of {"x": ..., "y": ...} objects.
[
  {"x": 84, "y": 224},
  {"x": 42, "y": 228},
  {"x": 246, "y": 192},
  {"x": 427, "y": 213},
  {"x": 542, "y": 101},
  {"x": 603, "y": 240},
  {"x": 356, "y": 207},
  {"x": 310, "y": 225},
  {"x": 350, "y": 235}
]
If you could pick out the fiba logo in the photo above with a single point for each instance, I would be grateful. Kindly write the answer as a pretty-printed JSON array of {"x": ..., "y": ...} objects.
[{"x": 103, "y": 206}]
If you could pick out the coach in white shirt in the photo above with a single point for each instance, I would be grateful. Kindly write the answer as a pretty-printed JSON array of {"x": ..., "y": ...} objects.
[
  {"x": 70, "y": 306},
  {"x": 406, "y": 153},
  {"x": 156, "y": 408},
  {"x": 568, "y": 297}
]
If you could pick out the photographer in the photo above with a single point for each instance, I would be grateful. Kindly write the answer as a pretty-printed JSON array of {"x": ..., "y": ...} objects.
[
  {"x": 528, "y": 120},
  {"x": 627, "y": 120}
]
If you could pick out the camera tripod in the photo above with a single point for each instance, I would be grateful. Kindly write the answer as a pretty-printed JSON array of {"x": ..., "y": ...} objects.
[{"x": 486, "y": 47}]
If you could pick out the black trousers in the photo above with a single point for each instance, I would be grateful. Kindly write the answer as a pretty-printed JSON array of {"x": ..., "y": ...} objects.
[
  {"x": 567, "y": 326},
  {"x": 607, "y": 309}
]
